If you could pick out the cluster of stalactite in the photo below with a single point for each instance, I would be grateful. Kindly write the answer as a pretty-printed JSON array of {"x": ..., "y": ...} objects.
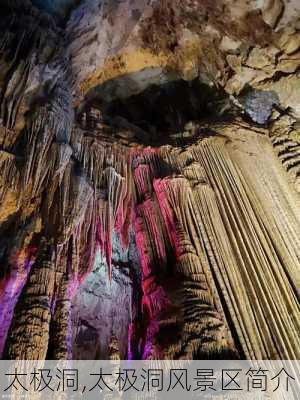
[
  {"x": 43, "y": 191},
  {"x": 81, "y": 191},
  {"x": 198, "y": 204},
  {"x": 214, "y": 271}
]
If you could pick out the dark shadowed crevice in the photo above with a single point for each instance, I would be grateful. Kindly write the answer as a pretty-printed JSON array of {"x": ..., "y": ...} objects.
[{"x": 162, "y": 113}]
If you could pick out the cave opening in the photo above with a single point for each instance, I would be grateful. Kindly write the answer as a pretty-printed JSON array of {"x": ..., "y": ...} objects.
[{"x": 167, "y": 112}]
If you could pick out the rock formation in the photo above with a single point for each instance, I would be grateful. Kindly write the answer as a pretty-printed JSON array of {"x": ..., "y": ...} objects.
[{"x": 149, "y": 193}]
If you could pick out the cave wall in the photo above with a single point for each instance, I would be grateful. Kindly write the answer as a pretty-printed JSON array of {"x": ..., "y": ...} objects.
[
  {"x": 130, "y": 240},
  {"x": 103, "y": 310}
]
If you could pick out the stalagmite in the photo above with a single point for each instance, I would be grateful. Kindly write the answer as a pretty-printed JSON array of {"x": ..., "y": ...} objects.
[
  {"x": 61, "y": 338},
  {"x": 33, "y": 311}
]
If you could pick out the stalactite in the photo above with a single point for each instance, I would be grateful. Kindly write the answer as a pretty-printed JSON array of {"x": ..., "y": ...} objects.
[
  {"x": 92, "y": 155},
  {"x": 86, "y": 241},
  {"x": 217, "y": 206},
  {"x": 288, "y": 152},
  {"x": 63, "y": 154},
  {"x": 282, "y": 219},
  {"x": 78, "y": 196},
  {"x": 108, "y": 168},
  {"x": 14, "y": 92},
  {"x": 125, "y": 210},
  {"x": 252, "y": 253},
  {"x": 8, "y": 137},
  {"x": 9, "y": 175},
  {"x": 52, "y": 122},
  {"x": 110, "y": 199},
  {"x": 150, "y": 238},
  {"x": 21, "y": 48}
]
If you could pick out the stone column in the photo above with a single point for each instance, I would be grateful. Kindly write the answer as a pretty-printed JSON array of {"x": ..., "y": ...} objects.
[{"x": 29, "y": 333}]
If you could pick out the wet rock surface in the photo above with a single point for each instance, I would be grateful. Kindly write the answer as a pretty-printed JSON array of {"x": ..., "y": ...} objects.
[{"x": 259, "y": 105}]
